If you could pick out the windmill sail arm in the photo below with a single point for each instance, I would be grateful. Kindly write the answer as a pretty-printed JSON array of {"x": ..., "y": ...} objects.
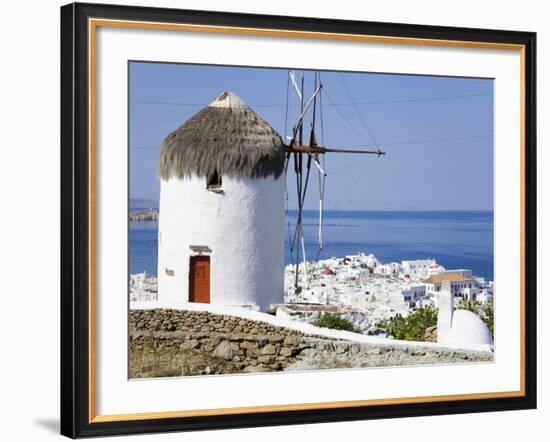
[
  {"x": 344, "y": 150},
  {"x": 293, "y": 79},
  {"x": 319, "y": 167},
  {"x": 302, "y": 115},
  {"x": 300, "y": 148}
]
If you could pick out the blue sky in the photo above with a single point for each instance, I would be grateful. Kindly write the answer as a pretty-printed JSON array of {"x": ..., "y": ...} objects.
[{"x": 437, "y": 132}]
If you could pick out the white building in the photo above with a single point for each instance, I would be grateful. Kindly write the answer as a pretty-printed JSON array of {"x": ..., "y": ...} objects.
[
  {"x": 484, "y": 296},
  {"x": 356, "y": 299},
  {"x": 372, "y": 261},
  {"x": 390, "y": 269},
  {"x": 435, "y": 269},
  {"x": 463, "y": 286},
  {"x": 417, "y": 268},
  {"x": 414, "y": 295},
  {"x": 221, "y": 216},
  {"x": 463, "y": 272},
  {"x": 143, "y": 288}
]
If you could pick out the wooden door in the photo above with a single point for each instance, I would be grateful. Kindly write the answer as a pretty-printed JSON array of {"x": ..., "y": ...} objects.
[{"x": 199, "y": 279}]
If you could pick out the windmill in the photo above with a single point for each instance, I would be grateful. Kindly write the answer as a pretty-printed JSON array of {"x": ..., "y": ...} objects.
[{"x": 303, "y": 156}]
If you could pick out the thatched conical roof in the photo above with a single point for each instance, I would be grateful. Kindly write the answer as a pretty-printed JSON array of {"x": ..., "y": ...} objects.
[{"x": 226, "y": 136}]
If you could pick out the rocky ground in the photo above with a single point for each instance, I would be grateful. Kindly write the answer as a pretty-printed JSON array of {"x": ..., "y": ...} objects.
[{"x": 182, "y": 343}]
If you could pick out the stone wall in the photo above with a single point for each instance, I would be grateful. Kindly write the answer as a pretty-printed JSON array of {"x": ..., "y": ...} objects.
[{"x": 181, "y": 343}]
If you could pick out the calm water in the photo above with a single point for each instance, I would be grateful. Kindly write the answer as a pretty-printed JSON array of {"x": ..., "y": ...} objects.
[{"x": 455, "y": 239}]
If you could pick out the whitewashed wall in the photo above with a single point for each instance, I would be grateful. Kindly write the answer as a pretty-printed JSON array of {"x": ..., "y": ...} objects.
[{"x": 244, "y": 228}]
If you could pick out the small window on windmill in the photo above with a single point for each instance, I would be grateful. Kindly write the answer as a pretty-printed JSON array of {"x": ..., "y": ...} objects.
[{"x": 214, "y": 181}]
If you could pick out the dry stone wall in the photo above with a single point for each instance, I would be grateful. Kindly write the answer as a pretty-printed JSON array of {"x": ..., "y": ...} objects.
[{"x": 182, "y": 343}]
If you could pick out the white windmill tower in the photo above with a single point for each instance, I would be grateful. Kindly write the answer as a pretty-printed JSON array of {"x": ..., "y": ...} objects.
[
  {"x": 221, "y": 216},
  {"x": 222, "y": 204}
]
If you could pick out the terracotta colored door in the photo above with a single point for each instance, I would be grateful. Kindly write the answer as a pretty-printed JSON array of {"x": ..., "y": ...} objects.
[{"x": 199, "y": 279}]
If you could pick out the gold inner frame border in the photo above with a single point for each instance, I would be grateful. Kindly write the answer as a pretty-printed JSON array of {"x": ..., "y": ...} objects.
[{"x": 93, "y": 24}]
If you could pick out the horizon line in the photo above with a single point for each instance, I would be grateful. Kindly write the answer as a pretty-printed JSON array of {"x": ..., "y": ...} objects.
[{"x": 372, "y": 210}]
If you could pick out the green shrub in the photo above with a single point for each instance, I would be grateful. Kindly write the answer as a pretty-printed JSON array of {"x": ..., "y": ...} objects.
[
  {"x": 488, "y": 316},
  {"x": 328, "y": 320},
  {"x": 392, "y": 325},
  {"x": 413, "y": 327}
]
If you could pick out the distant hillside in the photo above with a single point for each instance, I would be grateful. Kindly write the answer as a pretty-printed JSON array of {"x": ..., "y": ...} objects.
[
  {"x": 144, "y": 215},
  {"x": 143, "y": 203}
]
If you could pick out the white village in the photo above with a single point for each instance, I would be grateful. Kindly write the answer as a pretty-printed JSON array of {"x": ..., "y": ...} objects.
[
  {"x": 371, "y": 291},
  {"x": 221, "y": 243}
]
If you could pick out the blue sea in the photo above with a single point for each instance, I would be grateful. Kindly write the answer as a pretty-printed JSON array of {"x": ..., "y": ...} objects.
[{"x": 454, "y": 239}]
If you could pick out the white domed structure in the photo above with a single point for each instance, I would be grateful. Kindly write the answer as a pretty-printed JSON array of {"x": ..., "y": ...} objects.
[
  {"x": 459, "y": 327},
  {"x": 221, "y": 215},
  {"x": 467, "y": 327}
]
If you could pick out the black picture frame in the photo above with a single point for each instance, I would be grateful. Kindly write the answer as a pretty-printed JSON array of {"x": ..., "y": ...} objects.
[{"x": 75, "y": 220}]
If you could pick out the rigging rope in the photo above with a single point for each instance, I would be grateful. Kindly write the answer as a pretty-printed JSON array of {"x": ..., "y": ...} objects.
[
  {"x": 358, "y": 112},
  {"x": 349, "y": 123},
  {"x": 339, "y": 224},
  {"x": 360, "y": 103}
]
